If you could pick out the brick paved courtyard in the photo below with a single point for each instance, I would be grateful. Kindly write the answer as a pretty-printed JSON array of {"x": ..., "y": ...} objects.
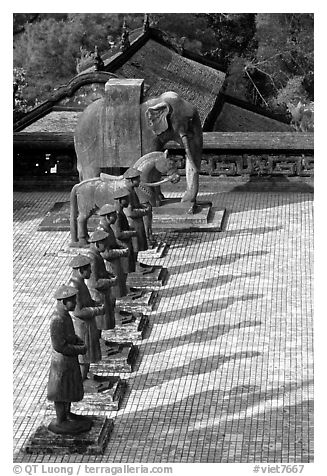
[{"x": 225, "y": 371}]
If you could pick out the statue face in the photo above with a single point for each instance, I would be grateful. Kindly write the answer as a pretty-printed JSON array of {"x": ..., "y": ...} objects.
[
  {"x": 136, "y": 181},
  {"x": 69, "y": 303},
  {"x": 111, "y": 217},
  {"x": 85, "y": 271},
  {"x": 124, "y": 202},
  {"x": 101, "y": 245}
]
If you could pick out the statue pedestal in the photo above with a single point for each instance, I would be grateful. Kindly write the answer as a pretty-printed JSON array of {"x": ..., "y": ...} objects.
[
  {"x": 140, "y": 301},
  {"x": 154, "y": 252},
  {"x": 101, "y": 393},
  {"x": 92, "y": 442},
  {"x": 174, "y": 215},
  {"x": 151, "y": 278},
  {"x": 130, "y": 327},
  {"x": 116, "y": 358}
]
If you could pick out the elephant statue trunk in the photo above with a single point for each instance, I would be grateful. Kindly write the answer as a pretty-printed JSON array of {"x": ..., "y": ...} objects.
[{"x": 188, "y": 152}]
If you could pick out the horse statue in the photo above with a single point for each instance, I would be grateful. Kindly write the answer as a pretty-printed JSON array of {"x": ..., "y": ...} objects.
[{"x": 91, "y": 194}]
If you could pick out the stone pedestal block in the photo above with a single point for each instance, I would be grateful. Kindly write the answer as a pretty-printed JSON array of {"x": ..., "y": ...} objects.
[
  {"x": 174, "y": 215},
  {"x": 101, "y": 393},
  {"x": 130, "y": 327},
  {"x": 152, "y": 278},
  {"x": 155, "y": 251},
  {"x": 92, "y": 442},
  {"x": 139, "y": 301},
  {"x": 116, "y": 358}
]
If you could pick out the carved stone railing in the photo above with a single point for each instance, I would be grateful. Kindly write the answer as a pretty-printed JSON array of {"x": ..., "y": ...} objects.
[
  {"x": 255, "y": 153},
  {"x": 224, "y": 153}
]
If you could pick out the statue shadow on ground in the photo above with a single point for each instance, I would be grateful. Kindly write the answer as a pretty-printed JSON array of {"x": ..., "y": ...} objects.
[
  {"x": 199, "y": 336},
  {"x": 194, "y": 367},
  {"x": 217, "y": 261},
  {"x": 221, "y": 432},
  {"x": 177, "y": 242},
  {"x": 209, "y": 283},
  {"x": 210, "y": 305}
]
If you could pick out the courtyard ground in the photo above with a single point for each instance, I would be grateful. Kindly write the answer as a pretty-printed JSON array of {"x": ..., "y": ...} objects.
[{"x": 225, "y": 371}]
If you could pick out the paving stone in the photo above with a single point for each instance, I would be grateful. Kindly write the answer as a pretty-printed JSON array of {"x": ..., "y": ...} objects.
[{"x": 225, "y": 371}]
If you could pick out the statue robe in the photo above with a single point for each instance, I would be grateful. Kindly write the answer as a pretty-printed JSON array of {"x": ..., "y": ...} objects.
[
  {"x": 100, "y": 284},
  {"x": 65, "y": 380},
  {"x": 84, "y": 321},
  {"x": 114, "y": 253},
  {"x": 135, "y": 213}
]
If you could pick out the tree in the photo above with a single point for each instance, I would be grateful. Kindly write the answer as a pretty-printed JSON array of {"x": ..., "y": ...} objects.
[
  {"x": 19, "y": 83},
  {"x": 282, "y": 71},
  {"x": 49, "y": 49},
  {"x": 268, "y": 57}
]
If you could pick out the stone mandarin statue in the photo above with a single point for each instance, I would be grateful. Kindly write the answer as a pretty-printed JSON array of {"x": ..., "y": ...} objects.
[
  {"x": 85, "y": 313},
  {"x": 123, "y": 232},
  {"x": 65, "y": 383},
  {"x": 101, "y": 281},
  {"x": 114, "y": 252},
  {"x": 135, "y": 211}
]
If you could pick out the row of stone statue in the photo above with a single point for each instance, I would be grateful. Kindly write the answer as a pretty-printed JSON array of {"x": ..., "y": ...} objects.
[{"x": 98, "y": 278}]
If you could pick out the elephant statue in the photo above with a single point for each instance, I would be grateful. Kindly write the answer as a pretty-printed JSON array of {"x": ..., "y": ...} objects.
[
  {"x": 167, "y": 117},
  {"x": 91, "y": 194}
]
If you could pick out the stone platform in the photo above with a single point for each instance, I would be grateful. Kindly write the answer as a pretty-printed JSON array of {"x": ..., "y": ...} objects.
[
  {"x": 155, "y": 251},
  {"x": 130, "y": 327},
  {"x": 92, "y": 442},
  {"x": 152, "y": 278},
  {"x": 116, "y": 358},
  {"x": 105, "y": 398},
  {"x": 171, "y": 215},
  {"x": 174, "y": 215},
  {"x": 140, "y": 300}
]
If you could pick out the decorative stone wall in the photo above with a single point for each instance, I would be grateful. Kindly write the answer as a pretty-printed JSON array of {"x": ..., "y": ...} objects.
[
  {"x": 261, "y": 165},
  {"x": 64, "y": 164}
]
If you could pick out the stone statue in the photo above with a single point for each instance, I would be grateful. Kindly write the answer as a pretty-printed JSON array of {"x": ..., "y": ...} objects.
[
  {"x": 85, "y": 313},
  {"x": 135, "y": 211},
  {"x": 92, "y": 194},
  {"x": 123, "y": 231},
  {"x": 114, "y": 252},
  {"x": 101, "y": 280},
  {"x": 65, "y": 383}
]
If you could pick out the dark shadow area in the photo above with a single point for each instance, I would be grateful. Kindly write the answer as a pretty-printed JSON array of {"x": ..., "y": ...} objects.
[
  {"x": 216, "y": 261},
  {"x": 208, "y": 427},
  {"x": 197, "y": 337},
  {"x": 195, "y": 367},
  {"x": 210, "y": 305},
  {"x": 278, "y": 183},
  {"x": 209, "y": 283},
  {"x": 26, "y": 211}
]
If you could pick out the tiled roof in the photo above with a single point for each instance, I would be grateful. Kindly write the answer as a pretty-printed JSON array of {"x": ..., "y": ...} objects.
[
  {"x": 55, "y": 121},
  {"x": 233, "y": 118},
  {"x": 165, "y": 70}
]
